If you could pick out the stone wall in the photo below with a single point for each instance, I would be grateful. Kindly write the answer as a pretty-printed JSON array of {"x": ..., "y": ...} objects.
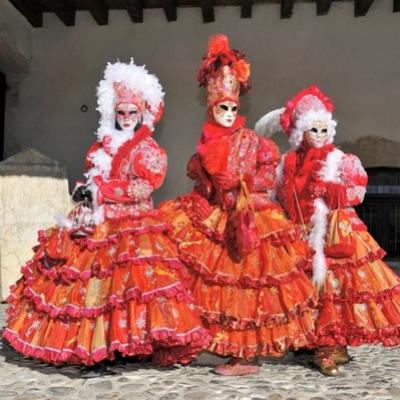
[
  {"x": 375, "y": 151},
  {"x": 33, "y": 188}
]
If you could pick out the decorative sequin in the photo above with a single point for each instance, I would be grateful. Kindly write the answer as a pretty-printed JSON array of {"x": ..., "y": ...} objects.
[
  {"x": 362, "y": 307},
  {"x": 122, "y": 323},
  {"x": 139, "y": 189},
  {"x": 335, "y": 283},
  {"x": 345, "y": 227},
  {"x": 149, "y": 272},
  {"x": 362, "y": 274},
  {"x": 141, "y": 320},
  {"x": 118, "y": 191},
  {"x": 153, "y": 159}
]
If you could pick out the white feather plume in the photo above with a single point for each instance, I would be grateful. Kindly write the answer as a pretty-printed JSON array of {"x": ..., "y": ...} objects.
[
  {"x": 270, "y": 123},
  {"x": 134, "y": 76},
  {"x": 319, "y": 221},
  {"x": 62, "y": 221}
]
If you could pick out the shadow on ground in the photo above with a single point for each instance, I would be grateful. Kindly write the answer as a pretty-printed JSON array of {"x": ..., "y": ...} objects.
[{"x": 130, "y": 364}]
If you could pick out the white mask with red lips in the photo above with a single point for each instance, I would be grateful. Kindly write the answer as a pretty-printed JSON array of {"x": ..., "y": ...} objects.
[
  {"x": 225, "y": 113},
  {"x": 128, "y": 116}
]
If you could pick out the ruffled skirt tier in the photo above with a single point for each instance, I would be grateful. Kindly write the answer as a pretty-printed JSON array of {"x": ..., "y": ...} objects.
[
  {"x": 262, "y": 304},
  {"x": 360, "y": 301},
  {"x": 121, "y": 289}
]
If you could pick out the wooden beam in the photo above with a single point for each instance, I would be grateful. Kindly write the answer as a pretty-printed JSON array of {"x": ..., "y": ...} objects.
[
  {"x": 396, "y": 5},
  {"x": 99, "y": 11},
  {"x": 135, "y": 9},
  {"x": 170, "y": 10},
  {"x": 361, "y": 7},
  {"x": 323, "y": 6},
  {"x": 207, "y": 9},
  {"x": 287, "y": 8},
  {"x": 64, "y": 9},
  {"x": 31, "y": 10},
  {"x": 246, "y": 8}
]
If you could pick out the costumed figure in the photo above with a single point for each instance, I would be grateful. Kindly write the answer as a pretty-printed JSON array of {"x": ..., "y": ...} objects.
[
  {"x": 318, "y": 186},
  {"x": 244, "y": 255},
  {"x": 108, "y": 280}
]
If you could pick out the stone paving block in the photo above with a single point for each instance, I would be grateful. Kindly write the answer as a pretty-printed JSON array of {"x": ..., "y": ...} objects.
[{"x": 374, "y": 374}]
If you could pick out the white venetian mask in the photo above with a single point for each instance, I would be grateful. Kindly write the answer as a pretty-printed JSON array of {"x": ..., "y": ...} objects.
[
  {"x": 225, "y": 113},
  {"x": 318, "y": 135},
  {"x": 128, "y": 116}
]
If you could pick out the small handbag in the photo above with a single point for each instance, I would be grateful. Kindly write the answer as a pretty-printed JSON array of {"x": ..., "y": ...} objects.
[
  {"x": 242, "y": 225},
  {"x": 340, "y": 238},
  {"x": 82, "y": 219}
]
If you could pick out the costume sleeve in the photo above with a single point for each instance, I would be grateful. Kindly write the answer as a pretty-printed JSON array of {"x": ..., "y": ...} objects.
[
  {"x": 88, "y": 160},
  {"x": 196, "y": 172},
  {"x": 268, "y": 157},
  {"x": 150, "y": 166},
  {"x": 351, "y": 186},
  {"x": 354, "y": 178},
  {"x": 88, "y": 164}
]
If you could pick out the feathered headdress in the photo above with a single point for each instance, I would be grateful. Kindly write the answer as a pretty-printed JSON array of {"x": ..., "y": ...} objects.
[
  {"x": 224, "y": 72},
  {"x": 306, "y": 107},
  {"x": 129, "y": 83}
]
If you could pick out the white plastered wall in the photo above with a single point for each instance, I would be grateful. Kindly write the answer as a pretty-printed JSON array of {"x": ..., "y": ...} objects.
[{"x": 355, "y": 60}]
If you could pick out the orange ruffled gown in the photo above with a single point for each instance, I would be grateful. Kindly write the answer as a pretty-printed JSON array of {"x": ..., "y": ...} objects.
[
  {"x": 261, "y": 301},
  {"x": 117, "y": 289}
]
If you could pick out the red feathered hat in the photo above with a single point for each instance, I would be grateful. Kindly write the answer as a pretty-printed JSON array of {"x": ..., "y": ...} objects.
[
  {"x": 298, "y": 115},
  {"x": 310, "y": 100},
  {"x": 224, "y": 72}
]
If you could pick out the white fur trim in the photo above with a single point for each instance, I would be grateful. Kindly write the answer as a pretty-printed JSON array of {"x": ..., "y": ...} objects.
[
  {"x": 98, "y": 215},
  {"x": 94, "y": 189},
  {"x": 117, "y": 138},
  {"x": 330, "y": 172},
  {"x": 62, "y": 221},
  {"x": 316, "y": 240},
  {"x": 101, "y": 164},
  {"x": 279, "y": 168},
  {"x": 270, "y": 123},
  {"x": 135, "y": 77},
  {"x": 305, "y": 122}
]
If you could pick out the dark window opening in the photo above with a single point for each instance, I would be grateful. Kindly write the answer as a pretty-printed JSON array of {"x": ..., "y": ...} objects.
[
  {"x": 381, "y": 209},
  {"x": 3, "y": 88}
]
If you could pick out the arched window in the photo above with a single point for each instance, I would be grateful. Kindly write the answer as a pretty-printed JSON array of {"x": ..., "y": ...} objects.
[{"x": 381, "y": 209}]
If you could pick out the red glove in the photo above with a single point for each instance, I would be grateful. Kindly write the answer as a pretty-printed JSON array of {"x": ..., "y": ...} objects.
[
  {"x": 226, "y": 180},
  {"x": 202, "y": 208},
  {"x": 335, "y": 195}
]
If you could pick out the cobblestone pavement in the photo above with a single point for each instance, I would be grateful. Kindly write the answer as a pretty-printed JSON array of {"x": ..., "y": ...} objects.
[{"x": 374, "y": 374}]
